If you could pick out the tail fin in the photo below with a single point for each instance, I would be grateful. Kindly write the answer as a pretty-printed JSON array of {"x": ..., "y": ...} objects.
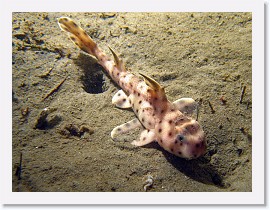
[{"x": 78, "y": 35}]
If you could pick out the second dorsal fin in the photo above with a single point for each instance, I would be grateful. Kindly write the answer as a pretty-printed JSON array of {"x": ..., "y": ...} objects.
[{"x": 119, "y": 63}]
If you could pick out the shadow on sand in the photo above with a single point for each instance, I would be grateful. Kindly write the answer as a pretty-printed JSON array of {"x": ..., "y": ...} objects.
[{"x": 198, "y": 169}]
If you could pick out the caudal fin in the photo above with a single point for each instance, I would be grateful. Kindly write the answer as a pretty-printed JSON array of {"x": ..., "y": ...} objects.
[{"x": 78, "y": 35}]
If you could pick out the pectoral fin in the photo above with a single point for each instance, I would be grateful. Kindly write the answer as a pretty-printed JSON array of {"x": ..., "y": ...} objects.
[
  {"x": 126, "y": 127},
  {"x": 186, "y": 105},
  {"x": 146, "y": 137}
]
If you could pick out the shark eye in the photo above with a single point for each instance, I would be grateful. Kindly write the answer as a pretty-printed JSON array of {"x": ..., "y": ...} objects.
[{"x": 180, "y": 137}]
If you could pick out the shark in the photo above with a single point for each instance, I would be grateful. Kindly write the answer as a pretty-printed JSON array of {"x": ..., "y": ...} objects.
[{"x": 168, "y": 123}]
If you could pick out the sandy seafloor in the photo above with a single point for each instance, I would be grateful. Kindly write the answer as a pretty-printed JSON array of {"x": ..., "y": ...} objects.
[{"x": 206, "y": 56}]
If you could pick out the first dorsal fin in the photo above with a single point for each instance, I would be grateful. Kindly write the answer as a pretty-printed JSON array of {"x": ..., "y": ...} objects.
[
  {"x": 151, "y": 82},
  {"x": 155, "y": 86}
]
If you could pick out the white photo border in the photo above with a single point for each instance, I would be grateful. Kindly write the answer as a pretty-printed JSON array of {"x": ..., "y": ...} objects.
[{"x": 257, "y": 196}]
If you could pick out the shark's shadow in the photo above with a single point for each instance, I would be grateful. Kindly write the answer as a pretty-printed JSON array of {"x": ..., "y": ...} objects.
[{"x": 198, "y": 169}]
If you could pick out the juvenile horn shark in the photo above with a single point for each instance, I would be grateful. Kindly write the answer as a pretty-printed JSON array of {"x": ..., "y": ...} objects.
[{"x": 167, "y": 123}]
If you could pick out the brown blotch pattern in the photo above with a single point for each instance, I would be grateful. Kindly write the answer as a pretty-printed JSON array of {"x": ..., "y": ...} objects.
[{"x": 74, "y": 24}]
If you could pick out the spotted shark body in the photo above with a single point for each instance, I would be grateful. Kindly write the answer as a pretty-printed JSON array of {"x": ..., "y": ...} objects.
[{"x": 167, "y": 123}]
